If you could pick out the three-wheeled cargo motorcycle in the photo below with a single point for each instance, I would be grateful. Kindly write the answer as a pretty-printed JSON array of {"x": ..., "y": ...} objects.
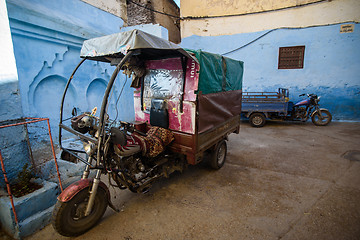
[
  {"x": 186, "y": 104},
  {"x": 259, "y": 106}
]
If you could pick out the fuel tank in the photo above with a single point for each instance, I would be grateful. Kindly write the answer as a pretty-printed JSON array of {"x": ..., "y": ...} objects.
[{"x": 305, "y": 102}]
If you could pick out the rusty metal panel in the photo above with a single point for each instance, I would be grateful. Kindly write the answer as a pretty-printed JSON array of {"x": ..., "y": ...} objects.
[
  {"x": 291, "y": 57},
  {"x": 194, "y": 145},
  {"x": 185, "y": 143},
  {"x": 214, "y": 135}
]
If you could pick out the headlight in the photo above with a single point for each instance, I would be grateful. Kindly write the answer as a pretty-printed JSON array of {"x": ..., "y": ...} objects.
[
  {"x": 86, "y": 122},
  {"x": 89, "y": 148}
]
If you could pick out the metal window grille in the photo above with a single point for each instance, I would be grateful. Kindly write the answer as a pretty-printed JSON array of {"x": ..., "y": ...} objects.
[{"x": 291, "y": 57}]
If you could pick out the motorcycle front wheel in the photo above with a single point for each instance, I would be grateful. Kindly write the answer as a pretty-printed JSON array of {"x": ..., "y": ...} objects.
[
  {"x": 69, "y": 217},
  {"x": 326, "y": 118}
]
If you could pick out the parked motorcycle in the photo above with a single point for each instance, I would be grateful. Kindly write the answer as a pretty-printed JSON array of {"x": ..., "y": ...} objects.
[
  {"x": 310, "y": 108},
  {"x": 127, "y": 166},
  {"x": 259, "y": 106}
]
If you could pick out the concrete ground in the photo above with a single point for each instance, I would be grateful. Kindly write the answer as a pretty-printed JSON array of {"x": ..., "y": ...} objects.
[{"x": 282, "y": 181}]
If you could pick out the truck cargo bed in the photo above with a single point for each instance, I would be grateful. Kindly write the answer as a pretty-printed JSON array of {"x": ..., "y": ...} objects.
[{"x": 265, "y": 102}]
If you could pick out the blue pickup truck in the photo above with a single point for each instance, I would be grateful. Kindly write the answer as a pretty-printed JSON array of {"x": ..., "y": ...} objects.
[{"x": 259, "y": 106}]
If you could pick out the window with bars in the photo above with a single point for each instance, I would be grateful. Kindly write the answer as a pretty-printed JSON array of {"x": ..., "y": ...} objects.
[{"x": 291, "y": 57}]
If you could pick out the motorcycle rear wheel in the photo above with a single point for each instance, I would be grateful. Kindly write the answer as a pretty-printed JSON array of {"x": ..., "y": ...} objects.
[
  {"x": 326, "y": 118},
  {"x": 68, "y": 217}
]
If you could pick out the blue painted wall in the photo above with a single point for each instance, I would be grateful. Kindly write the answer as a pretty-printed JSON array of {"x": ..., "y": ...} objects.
[
  {"x": 47, "y": 38},
  {"x": 331, "y": 63}
]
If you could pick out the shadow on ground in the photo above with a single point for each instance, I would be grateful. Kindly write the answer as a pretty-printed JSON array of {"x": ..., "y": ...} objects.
[{"x": 282, "y": 181}]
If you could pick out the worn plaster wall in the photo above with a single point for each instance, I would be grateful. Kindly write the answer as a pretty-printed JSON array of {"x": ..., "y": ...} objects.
[
  {"x": 169, "y": 22},
  {"x": 12, "y": 139},
  {"x": 221, "y": 7},
  {"x": 8, "y": 73},
  {"x": 331, "y": 57},
  {"x": 139, "y": 15},
  {"x": 47, "y": 37},
  {"x": 135, "y": 15},
  {"x": 331, "y": 63},
  {"x": 115, "y": 7},
  {"x": 316, "y": 14}
]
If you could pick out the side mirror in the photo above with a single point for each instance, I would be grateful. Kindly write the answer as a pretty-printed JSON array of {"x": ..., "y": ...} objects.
[
  {"x": 118, "y": 136},
  {"x": 74, "y": 112}
]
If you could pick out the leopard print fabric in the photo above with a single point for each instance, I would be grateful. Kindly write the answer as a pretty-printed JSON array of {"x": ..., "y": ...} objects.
[{"x": 155, "y": 141}]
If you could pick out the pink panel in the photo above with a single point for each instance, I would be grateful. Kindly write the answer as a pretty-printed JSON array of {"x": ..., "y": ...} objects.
[
  {"x": 139, "y": 114},
  {"x": 185, "y": 121},
  {"x": 179, "y": 121},
  {"x": 192, "y": 80},
  {"x": 192, "y": 73},
  {"x": 137, "y": 92},
  {"x": 168, "y": 64}
]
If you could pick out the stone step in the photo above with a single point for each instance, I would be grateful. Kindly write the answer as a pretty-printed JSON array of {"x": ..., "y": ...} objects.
[
  {"x": 35, "y": 222},
  {"x": 36, "y": 201}
]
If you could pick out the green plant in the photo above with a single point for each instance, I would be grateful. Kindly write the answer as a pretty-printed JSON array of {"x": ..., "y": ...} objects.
[{"x": 23, "y": 184}]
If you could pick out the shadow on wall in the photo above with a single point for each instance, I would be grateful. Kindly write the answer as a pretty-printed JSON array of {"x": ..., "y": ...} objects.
[
  {"x": 46, "y": 96},
  {"x": 45, "y": 90},
  {"x": 94, "y": 97},
  {"x": 47, "y": 38}
]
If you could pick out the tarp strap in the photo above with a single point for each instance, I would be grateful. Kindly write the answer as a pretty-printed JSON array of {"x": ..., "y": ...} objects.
[{"x": 223, "y": 86}]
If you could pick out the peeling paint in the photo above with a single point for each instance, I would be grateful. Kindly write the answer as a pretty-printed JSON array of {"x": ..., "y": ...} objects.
[
  {"x": 324, "y": 13},
  {"x": 330, "y": 70}
]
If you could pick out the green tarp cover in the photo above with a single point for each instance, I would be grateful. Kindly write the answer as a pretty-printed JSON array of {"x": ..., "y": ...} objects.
[{"x": 218, "y": 73}]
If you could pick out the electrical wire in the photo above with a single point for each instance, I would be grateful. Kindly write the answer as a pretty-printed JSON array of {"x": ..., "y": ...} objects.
[
  {"x": 251, "y": 13},
  {"x": 263, "y": 35},
  {"x": 230, "y": 15},
  {"x": 272, "y": 30},
  {"x": 138, "y": 4},
  {"x": 117, "y": 101}
]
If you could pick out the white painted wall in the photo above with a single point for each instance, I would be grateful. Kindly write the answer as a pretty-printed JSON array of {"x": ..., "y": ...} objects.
[
  {"x": 324, "y": 13},
  {"x": 8, "y": 72}
]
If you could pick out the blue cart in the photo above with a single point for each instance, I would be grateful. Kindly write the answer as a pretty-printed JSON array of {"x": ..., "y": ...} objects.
[{"x": 259, "y": 106}]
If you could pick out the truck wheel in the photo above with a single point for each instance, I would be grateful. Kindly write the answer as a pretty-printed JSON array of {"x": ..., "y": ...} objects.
[
  {"x": 257, "y": 120},
  {"x": 218, "y": 156}
]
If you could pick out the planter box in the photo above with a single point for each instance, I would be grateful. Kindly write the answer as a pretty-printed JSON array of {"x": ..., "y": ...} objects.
[{"x": 33, "y": 210}]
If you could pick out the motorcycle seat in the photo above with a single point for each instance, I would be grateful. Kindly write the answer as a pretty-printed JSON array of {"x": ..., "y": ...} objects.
[{"x": 155, "y": 141}]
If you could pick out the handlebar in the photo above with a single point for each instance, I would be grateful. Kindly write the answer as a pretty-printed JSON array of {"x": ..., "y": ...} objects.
[
  {"x": 311, "y": 95},
  {"x": 130, "y": 128}
]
